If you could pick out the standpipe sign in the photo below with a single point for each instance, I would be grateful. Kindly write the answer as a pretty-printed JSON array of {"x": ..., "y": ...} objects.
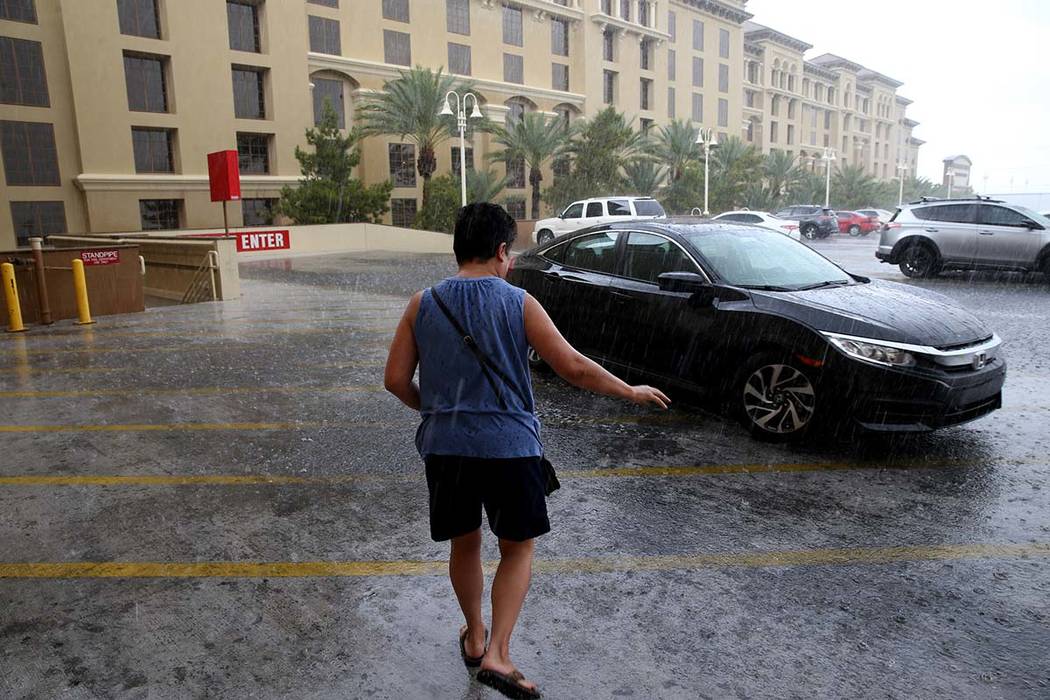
[
  {"x": 100, "y": 257},
  {"x": 263, "y": 240}
]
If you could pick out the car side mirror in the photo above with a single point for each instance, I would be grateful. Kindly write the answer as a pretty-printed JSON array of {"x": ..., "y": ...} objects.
[{"x": 687, "y": 282}]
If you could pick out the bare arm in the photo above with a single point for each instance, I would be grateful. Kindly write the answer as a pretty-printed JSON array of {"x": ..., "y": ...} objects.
[
  {"x": 399, "y": 378},
  {"x": 576, "y": 369}
]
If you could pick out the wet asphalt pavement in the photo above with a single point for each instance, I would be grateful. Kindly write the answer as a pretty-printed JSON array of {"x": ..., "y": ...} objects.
[{"x": 233, "y": 508}]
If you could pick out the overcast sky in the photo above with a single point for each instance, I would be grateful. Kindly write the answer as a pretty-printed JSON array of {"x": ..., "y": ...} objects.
[{"x": 979, "y": 74}]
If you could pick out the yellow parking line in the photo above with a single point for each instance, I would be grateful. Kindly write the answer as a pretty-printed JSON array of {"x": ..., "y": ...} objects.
[
  {"x": 577, "y": 565},
  {"x": 222, "y": 331},
  {"x": 192, "y": 391},
  {"x": 173, "y": 427},
  {"x": 88, "y": 370},
  {"x": 375, "y": 344}
]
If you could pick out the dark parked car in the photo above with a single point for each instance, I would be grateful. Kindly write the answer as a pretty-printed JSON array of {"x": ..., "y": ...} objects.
[
  {"x": 752, "y": 317},
  {"x": 813, "y": 221}
]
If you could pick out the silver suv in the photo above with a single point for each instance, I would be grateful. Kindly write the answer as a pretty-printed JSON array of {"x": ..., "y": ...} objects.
[{"x": 931, "y": 235}]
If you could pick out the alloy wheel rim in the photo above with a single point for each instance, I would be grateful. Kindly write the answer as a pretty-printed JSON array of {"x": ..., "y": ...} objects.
[
  {"x": 779, "y": 399},
  {"x": 918, "y": 260}
]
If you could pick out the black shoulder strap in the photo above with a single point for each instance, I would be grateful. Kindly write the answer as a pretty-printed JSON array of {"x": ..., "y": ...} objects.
[{"x": 488, "y": 367}]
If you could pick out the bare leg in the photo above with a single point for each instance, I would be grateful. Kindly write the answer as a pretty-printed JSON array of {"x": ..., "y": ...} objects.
[
  {"x": 508, "y": 594},
  {"x": 464, "y": 568}
]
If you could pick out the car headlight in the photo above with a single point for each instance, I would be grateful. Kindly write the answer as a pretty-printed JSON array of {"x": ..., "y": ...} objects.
[{"x": 872, "y": 352}]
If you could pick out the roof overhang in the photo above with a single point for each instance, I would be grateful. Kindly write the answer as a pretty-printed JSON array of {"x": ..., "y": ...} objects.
[
  {"x": 757, "y": 32},
  {"x": 832, "y": 62},
  {"x": 719, "y": 9}
]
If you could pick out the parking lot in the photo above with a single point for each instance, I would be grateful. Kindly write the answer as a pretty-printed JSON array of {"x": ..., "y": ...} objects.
[{"x": 219, "y": 500}]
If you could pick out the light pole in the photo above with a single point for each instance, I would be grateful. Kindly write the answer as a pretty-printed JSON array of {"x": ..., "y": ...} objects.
[
  {"x": 951, "y": 181},
  {"x": 461, "y": 121},
  {"x": 901, "y": 169},
  {"x": 828, "y": 157},
  {"x": 707, "y": 140}
]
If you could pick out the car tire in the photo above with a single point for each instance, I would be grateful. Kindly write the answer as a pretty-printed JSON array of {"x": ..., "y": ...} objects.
[
  {"x": 776, "y": 398},
  {"x": 919, "y": 261},
  {"x": 808, "y": 231},
  {"x": 854, "y": 230},
  {"x": 544, "y": 236}
]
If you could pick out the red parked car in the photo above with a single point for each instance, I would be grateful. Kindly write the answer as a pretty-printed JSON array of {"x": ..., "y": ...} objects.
[{"x": 856, "y": 224}]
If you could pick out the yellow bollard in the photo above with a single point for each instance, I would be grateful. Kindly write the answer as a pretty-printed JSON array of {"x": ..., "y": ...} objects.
[
  {"x": 80, "y": 287},
  {"x": 14, "y": 309}
]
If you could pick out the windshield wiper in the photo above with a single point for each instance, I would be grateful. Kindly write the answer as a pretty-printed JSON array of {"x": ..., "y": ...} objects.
[
  {"x": 766, "y": 287},
  {"x": 819, "y": 285}
]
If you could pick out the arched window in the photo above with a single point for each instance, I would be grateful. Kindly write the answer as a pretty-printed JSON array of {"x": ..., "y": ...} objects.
[
  {"x": 335, "y": 89},
  {"x": 517, "y": 107},
  {"x": 567, "y": 113}
]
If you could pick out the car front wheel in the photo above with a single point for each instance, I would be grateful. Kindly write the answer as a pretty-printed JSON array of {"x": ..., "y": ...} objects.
[
  {"x": 544, "y": 236},
  {"x": 809, "y": 231},
  {"x": 854, "y": 230},
  {"x": 777, "y": 399},
  {"x": 920, "y": 260}
]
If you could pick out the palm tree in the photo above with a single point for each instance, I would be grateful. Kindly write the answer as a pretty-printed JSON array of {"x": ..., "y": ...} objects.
[
  {"x": 781, "y": 173},
  {"x": 675, "y": 146},
  {"x": 644, "y": 176},
  {"x": 734, "y": 164},
  {"x": 534, "y": 139},
  {"x": 408, "y": 107},
  {"x": 852, "y": 187},
  {"x": 484, "y": 185}
]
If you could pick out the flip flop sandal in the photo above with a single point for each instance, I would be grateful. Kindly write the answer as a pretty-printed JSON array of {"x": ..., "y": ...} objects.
[
  {"x": 470, "y": 661},
  {"x": 508, "y": 684}
]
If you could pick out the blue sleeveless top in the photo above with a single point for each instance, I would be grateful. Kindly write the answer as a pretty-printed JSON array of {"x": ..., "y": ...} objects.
[{"x": 461, "y": 413}]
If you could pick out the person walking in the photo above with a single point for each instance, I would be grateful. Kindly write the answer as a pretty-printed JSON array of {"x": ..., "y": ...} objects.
[{"x": 479, "y": 436}]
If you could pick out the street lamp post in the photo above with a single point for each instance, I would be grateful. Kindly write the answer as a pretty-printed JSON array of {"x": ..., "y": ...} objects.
[
  {"x": 461, "y": 122},
  {"x": 707, "y": 140},
  {"x": 828, "y": 157},
  {"x": 951, "y": 181},
  {"x": 901, "y": 169}
]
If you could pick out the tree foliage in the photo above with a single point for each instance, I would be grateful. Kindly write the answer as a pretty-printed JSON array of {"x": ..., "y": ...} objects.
[
  {"x": 438, "y": 212},
  {"x": 484, "y": 185},
  {"x": 534, "y": 139},
  {"x": 328, "y": 193}
]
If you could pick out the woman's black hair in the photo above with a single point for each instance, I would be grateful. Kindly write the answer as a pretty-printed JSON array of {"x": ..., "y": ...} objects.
[{"x": 480, "y": 229}]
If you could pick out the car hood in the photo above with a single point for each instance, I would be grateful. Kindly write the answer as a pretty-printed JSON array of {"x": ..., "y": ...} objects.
[
  {"x": 879, "y": 310},
  {"x": 545, "y": 223}
]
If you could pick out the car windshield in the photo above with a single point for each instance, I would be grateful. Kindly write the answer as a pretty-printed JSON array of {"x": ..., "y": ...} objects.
[
  {"x": 648, "y": 207},
  {"x": 752, "y": 257}
]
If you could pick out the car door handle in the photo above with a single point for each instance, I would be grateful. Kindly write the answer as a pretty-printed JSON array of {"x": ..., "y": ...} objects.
[
  {"x": 932, "y": 230},
  {"x": 986, "y": 232}
]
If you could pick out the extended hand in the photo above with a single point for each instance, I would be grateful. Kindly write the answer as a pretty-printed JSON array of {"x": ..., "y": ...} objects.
[{"x": 648, "y": 396}]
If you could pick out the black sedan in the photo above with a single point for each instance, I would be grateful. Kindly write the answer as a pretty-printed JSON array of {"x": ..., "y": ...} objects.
[{"x": 751, "y": 317}]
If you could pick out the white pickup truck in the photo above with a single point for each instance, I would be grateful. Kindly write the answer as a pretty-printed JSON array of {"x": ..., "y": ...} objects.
[{"x": 600, "y": 210}]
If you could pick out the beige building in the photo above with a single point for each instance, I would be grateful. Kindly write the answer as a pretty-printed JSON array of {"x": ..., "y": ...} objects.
[
  {"x": 804, "y": 106},
  {"x": 109, "y": 107}
]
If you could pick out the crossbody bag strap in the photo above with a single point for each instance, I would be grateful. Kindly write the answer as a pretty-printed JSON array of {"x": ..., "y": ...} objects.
[{"x": 488, "y": 368}]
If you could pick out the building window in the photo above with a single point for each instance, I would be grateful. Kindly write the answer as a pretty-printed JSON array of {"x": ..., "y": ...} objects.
[
  {"x": 827, "y": 118},
  {"x": 516, "y": 174},
  {"x": 723, "y": 43},
  {"x": 561, "y": 166},
  {"x": 249, "y": 98},
  {"x": 258, "y": 212},
  {"x": 253, "y": 153},
  {"x": 645, "y": 89},
  {"x": 723, "y": 77},
  {"x": 792, "y": 105},
  {"x": 153, "y": 150},
  {"x": 455, "y": 160},
  {"x": 457, "y": 16},
  {"x": 670, "y": 103},
  {"x": 560, "y": 37},
  {"x": 36, "y": 219},
  {"x": 397, "y": 48},
  {"x": 396, "y": 10},
  {"x": 512, "y": 29},
  {"x": 326, "y": 3},
  {"x": 29, "y": 153},
  {"x": 136, "y": 17},
  {"x": 645, "y": 125},
  {"x": 160, "y": 214},
  {"x": 749, "y": 98},
  {"x": 608, "y": 45},
  {"x": 403, "y": 164},
  {"x": 672, "y": 65},
  {"x": 672, "y": 25},
  {"x": 515, "y": 206},
  {"x": 698, "y": 71},
  {"x": 698, "y": 107},
  {"x": 146, "y": 84},
  {"x": 644, "y": 13},
  {"x": 698, "y": 35},
  {"x": 331, "y": 90},
  {"x": 609, "y": 86},
  {"x": 513, "y": 68},
  {"x": 774, "y": 105},
  {"x": 324, "y": 36},
  {"x": 243, "y": 20},
  {"x": 750, "y": 129},
  {"x": 459, "y": 59},
  {"x": 645, "y": 58},
  {"x": 560, "y": 76},
  {"x": 625, "y": 10},
  {"x": 723, "y": 112},
  {"x": 773, "y": 132},
  {"x": 22, "y": 77},
  {"x": 607, "y": 7},
  {"x": 403, "y": 212}
]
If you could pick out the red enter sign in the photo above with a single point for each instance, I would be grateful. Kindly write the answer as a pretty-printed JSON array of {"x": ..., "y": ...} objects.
[
  {"x": 100, "y": 257},
  {"x": 263, "y": 240}
]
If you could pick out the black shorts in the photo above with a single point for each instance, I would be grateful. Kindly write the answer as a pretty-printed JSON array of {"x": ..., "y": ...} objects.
[{"x": 511, "y": 490}]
